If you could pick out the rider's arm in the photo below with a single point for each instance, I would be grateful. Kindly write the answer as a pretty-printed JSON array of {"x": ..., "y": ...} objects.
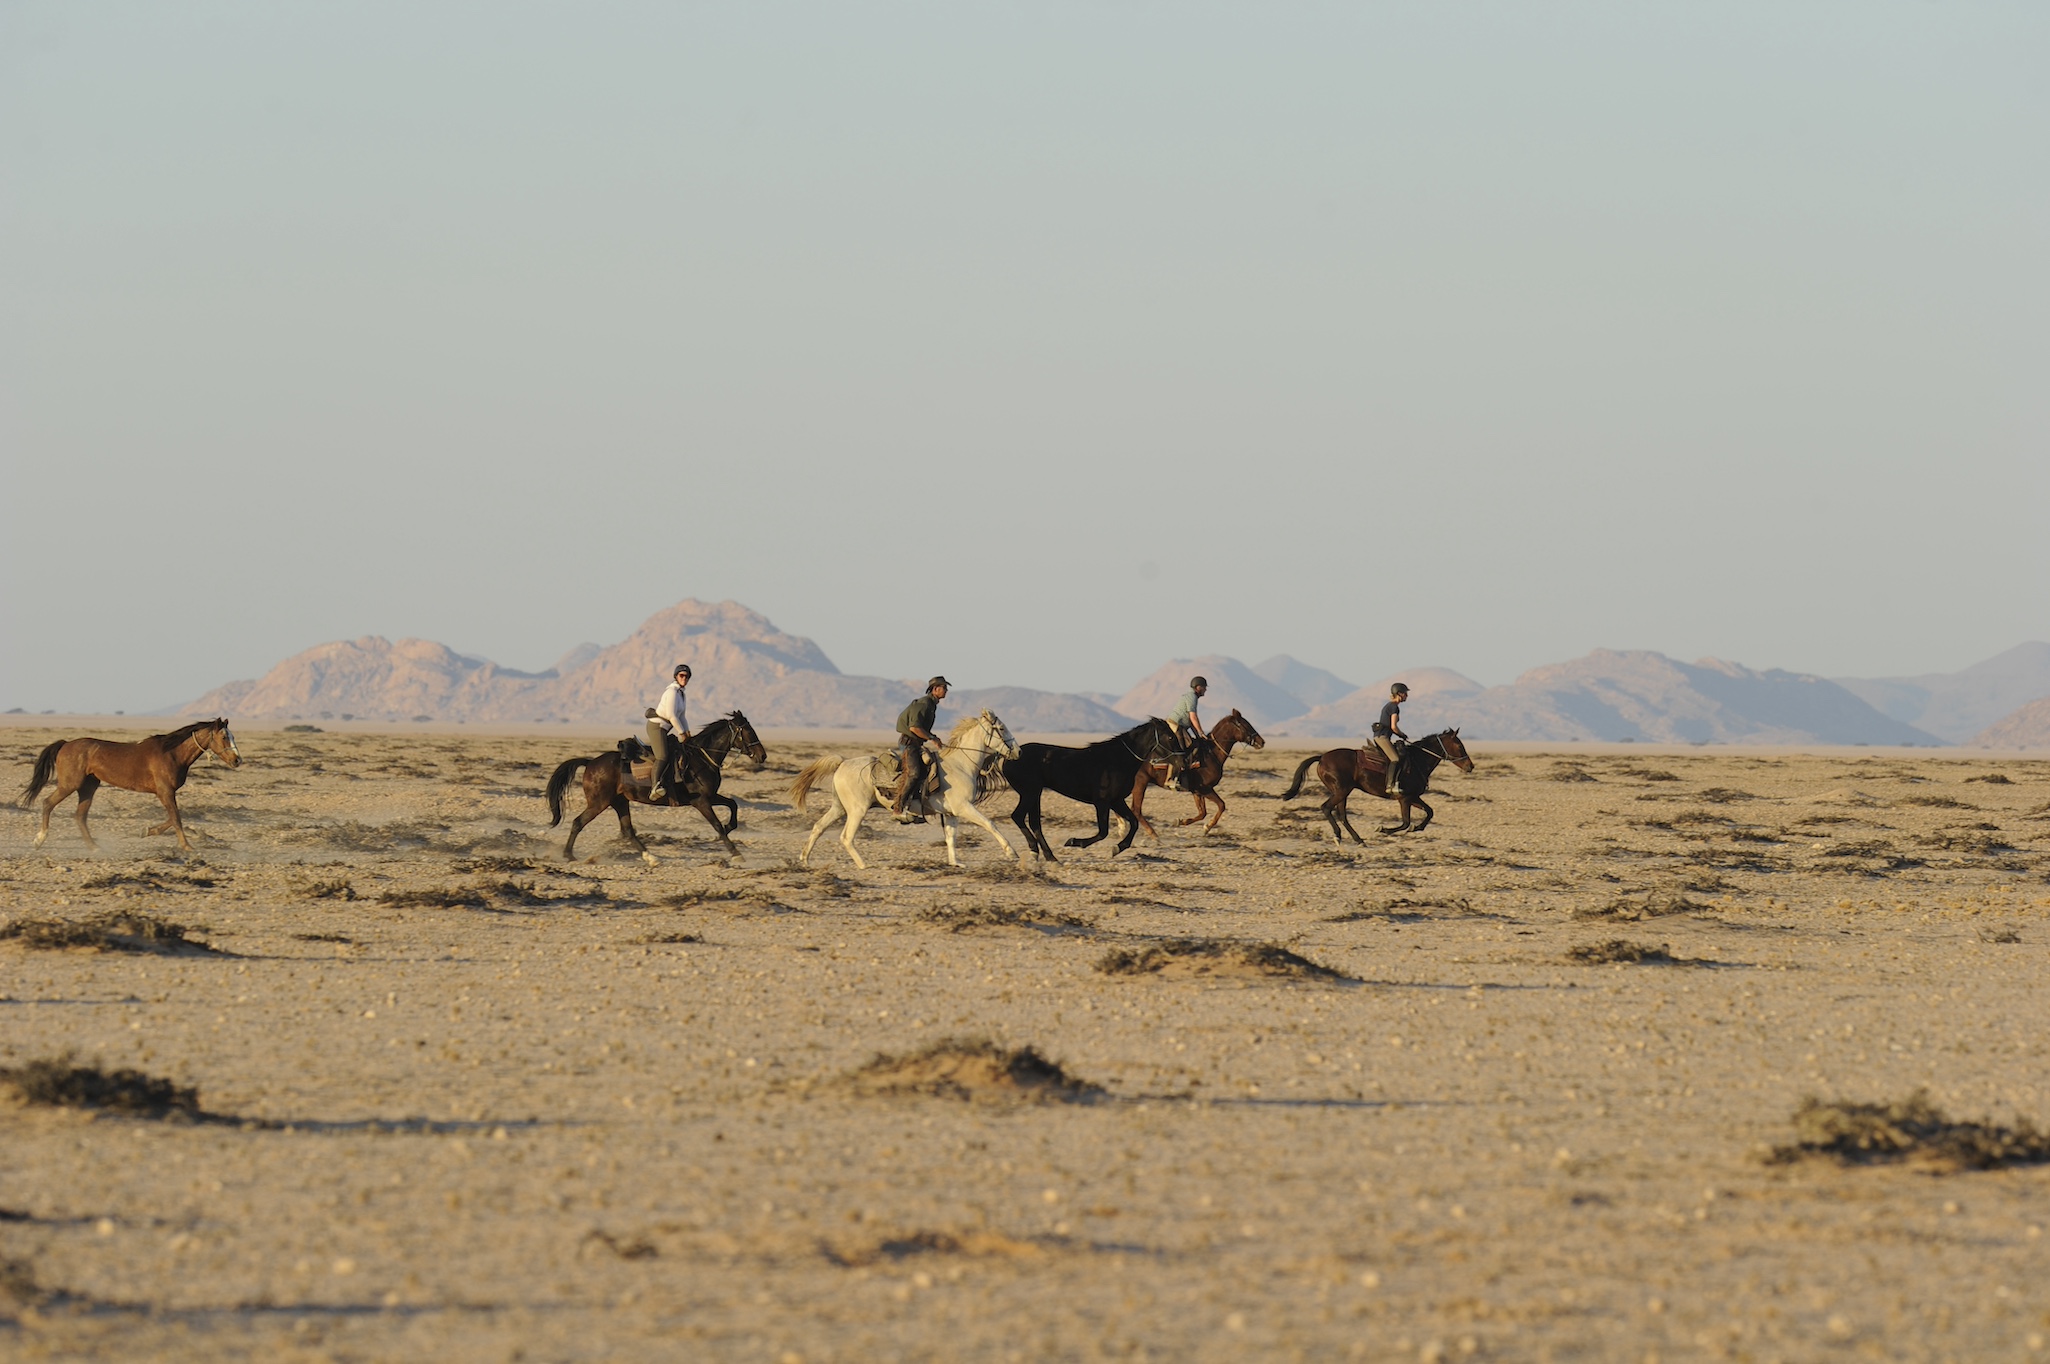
[
  {"x": 670, "y": 710},
  {"x": 1395, "y": 725},
  {"x": 1196, "y": 721}
]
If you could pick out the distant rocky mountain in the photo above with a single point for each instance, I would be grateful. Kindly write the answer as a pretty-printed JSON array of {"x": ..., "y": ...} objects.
[
  {"x": 1232, "y": 686},
  {"x": 739, "y": 660},
  {"x": 1311, "y": 686},
  {"x": 1626, "y": 696},
  {"x": 2025, "y": 727},
  {"x": 1957, "y": 706}
]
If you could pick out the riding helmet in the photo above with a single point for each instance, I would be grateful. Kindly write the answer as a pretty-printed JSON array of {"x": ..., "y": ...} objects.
[{"x": 1196, "y": 682}]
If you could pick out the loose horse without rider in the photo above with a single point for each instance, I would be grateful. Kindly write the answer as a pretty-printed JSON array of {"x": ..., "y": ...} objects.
[
  {"x": 1101, "y": 774},
  {"x": 1345, "y": 770},
  {"x": 608, "y": 782},
  {"x": 965, "y": 767},
  {"x": 1206, "y": 768},
  {"x": 157, "y": 764}
]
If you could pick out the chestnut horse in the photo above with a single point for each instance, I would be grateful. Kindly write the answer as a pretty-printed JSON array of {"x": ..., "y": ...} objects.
[
  {"x": 609, "y": 783},
  {"x": 1200, "y": 777},
  {"x": 157, "y": 764},
  {"x": 1345, "y": 770}
]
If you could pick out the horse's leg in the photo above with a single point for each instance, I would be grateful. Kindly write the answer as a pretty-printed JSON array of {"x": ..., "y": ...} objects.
[
  {"x": 168, "y": 794},
  {"x": 1124, "y": 812},
  {"x": 703, "y": 805},
  {"x": 974, "y": 816},
  {"x": 621, "y": 808},
  {"x": 1102, "y": 827},
  {"x": 1429, "y": 814},
  {"x": 1214, "y": 818},
  {"x": 854, "y": 818},
  {"x": 86, "y": 789},
  {"x": 732, "y": 811},
  {"x": 50, "y": 803},
  {"x": 825, "y": 822},
  {"x": 1025, "y": 814},
  {"x": 1402, "y": 803},
  {"x": 1140, "y": 782},
  {"x": 1345, "y": 815},
  {"x": 947, "y": 828}
]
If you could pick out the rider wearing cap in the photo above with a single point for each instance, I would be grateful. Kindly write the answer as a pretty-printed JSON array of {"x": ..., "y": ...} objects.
[
  {"x": 914, "y": 732},
  {"x": 1388, "y": 728},
  {"x": 667, "y": 729},
  {"x": 1188, "y": 726}
]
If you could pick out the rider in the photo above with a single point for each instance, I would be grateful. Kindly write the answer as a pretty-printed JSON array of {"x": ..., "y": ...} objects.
[
  {"x": 1388, "y": 728},
  {"x": 667, "y": 729},
  {"x": 914, "y": 732},
  {"x": 1188, "y": 726}
]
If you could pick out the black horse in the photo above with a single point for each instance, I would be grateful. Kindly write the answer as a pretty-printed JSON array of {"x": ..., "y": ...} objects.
[
  {"x": 1100, "y": 774},
  {"x": 608, "y": 781}
]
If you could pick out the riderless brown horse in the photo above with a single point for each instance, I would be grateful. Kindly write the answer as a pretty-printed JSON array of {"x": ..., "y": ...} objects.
[
  {"x": 1345, "y": 770},
  {"x": 608, "y": 783},
  {"x": 157, "y": 764},
  {"x": 1200, "y": 777}
]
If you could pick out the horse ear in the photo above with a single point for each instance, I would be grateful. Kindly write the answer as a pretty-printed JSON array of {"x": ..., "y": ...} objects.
[{"x": 1235, "y": 713}]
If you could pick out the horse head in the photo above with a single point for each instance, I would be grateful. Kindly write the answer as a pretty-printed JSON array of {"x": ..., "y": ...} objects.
[
  {"x": 745, "y": 738},
  {"x": 220, "y": 741},
  {"x": 1453, "y": 749},
  {"x": 1235, "y": 729},
  {"x": 998, "y": 736}
]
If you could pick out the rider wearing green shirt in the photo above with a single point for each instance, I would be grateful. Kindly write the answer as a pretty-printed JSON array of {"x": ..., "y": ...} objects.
[{"x": 914, "y": 731}]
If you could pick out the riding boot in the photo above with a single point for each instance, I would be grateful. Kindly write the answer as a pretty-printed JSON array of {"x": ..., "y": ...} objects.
[
  {"x": 658, "y": 789},
  {"x": 905, "y": 781}
]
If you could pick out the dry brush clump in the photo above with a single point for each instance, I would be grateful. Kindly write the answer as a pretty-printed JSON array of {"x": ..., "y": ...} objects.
[
  {"x": 1212, "y": 957},
  {"x": 1622, "y": 952},
  {"x": 1653, "y": 906},
  {"x": 115, "y": 931},
  {"x": 958, "y": 918},
  {"x": 1908, "y": 1131},
  {"x": 57, "y": 1082},
  {"x": 975, "y": 1069}
]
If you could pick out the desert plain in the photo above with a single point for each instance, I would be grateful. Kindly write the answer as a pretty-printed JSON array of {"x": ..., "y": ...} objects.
[{"x": 1522, "y": 1086}]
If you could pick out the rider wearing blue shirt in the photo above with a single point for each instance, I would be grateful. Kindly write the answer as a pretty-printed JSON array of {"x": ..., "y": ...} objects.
[{"x": 1388, "y": 728}]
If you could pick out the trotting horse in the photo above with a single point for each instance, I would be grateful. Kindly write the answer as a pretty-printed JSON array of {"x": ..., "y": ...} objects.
[
  {"x": 964, "y": 770},
  {"x": 608, "y": 782},
  {"x": 1345, "y": 770},
  {"x": 1101, "y": 774},
  {"x": 157, "y": 764},
  {"x": 1200, "y": 777}
]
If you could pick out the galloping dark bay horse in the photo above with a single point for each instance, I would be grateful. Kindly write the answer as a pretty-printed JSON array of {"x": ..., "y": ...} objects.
[
  {"x": 1345, "y": 770},
  {"x": 157, "y": 764},
  {"x": 1100, "y": 774},
  {"x": 1200, "y": 777},
  {"x": 607, "y": 782}
]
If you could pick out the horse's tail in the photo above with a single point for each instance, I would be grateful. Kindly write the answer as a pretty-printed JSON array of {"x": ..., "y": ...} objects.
[
  {"x": 810, "y": 777},
  {"x": 558, "y": 784},
  {"x": 1295, "y": 787},
  {"x": 46, "y": 762}
]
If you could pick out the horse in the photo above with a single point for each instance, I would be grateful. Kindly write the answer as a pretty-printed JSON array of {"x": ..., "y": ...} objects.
[
  {"x": 609, "y": 782},
  {"x": 157, "y": 764},
  {"x": 1100, "y": 774},
  {"x": 962, "y": 777},
  {"x": 1345, "y": 770},
  {"x": 1200, "y": 777}
]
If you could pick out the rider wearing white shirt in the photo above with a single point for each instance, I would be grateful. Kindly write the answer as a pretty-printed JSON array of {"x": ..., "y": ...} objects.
[{"x": 667, "y": 729}]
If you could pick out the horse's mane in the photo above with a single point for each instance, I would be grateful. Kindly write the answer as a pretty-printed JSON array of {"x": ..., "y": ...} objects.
[
  {"x": 179, "y": 736},
  {"x": 961, "y": 728}
]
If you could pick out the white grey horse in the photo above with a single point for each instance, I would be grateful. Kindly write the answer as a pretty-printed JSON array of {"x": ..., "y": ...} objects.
[{"x": 965, "y": 770}]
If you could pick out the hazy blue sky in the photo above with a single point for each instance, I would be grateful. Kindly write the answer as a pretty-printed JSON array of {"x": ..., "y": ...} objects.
[{"x": 1469, "y": 334}]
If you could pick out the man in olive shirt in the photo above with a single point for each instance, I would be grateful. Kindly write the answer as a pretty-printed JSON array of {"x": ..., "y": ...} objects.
[{"x": 914, "y": 732}]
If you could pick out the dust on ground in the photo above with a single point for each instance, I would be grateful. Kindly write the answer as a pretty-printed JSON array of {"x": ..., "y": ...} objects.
[{"x": 434, "y": 1093}]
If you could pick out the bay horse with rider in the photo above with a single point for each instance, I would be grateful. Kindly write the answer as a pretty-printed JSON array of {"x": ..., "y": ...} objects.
[
  {"x": 610, "y": 782},
  {"x": 1204, "y": 771},
  {"x": 1342, "y": 771}
]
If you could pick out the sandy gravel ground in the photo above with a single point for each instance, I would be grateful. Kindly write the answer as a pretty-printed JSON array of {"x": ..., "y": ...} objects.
[{"x": 603, "y": 1110}]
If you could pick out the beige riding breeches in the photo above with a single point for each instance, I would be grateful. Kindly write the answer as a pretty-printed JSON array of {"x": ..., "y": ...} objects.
[{"x": 1387, "y": 745}]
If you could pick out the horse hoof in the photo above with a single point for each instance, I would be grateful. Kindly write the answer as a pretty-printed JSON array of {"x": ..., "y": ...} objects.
[{"x": 649, "y": 858}]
